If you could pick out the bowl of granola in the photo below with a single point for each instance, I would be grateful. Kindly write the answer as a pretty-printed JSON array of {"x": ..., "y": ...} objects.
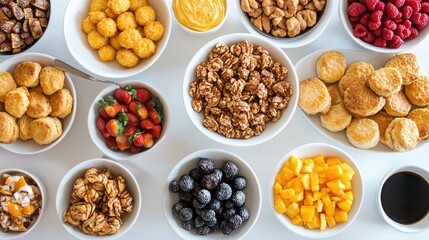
[{"x": 240, "y": 90}]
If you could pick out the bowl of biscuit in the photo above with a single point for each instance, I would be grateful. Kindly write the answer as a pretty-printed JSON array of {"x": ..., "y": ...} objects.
[
  {"x": 37, "y": 103},
  {"x": 116, "y": 39},
  {"x": 361, "y": 99}
]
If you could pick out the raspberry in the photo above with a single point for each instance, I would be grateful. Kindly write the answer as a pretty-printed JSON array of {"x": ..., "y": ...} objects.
[
  {"x": 376, "y": 16},
  {"x": 370, "y": 4},
  {"x": 414, "y": 33},
  {"x": 398, "y": 3},
  {"x": 415, "y": 4},
  {"x": 389, "y": 24},
  {"x": 402, "y": 31},
  {"x": 369, "y": 37},
  {"x": 353, "y": 19},
  {"x": 377, "y": 32},
  {"x": 356, "y": 9},
  {"x": 407, "y": 23},
  {"x": 387, "y": 34},
  {"x": 374, "y": 25},
  {"x": 396, "y": 42},
  {"x": 425, "y": 7},
  {"x": 419, "y": 18},
  {"x": 391, "y": 10},
  {"x": 365, "y": 19},
  {"x": 360, "y": 30},
  {"x": 406, "y": 11},
  {"x": 380, "y": 42}
]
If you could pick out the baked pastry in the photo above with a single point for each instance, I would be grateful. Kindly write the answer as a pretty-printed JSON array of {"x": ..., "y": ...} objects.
[
  {"x": 385, "y": 81},
  {"x": 334, "y": 92},
  {"x": 337, "y": 119},
  {"x": 6, "y": 84},
  {"x": 45, "y": 130},
  {"x": 330, "y": 66},
  {"x": 8, "y": 128},
  {"x": 350, "y": 79},
  {"x": 418, "y": 91},
  {"x": 16, "y": 101},
  {"x": 51, "y": 79},
  {"x": 62, "y": 103},
  {"x": 362, "y": 101},
  {"x": 421, "y": 117},
  {"x": 397, "y": 105},
  {"x": 363, "y": 133},
  {"x": 314, "y": 96},
  {"x": 383, "y": 120},
  {"x": 39, "y": 105},
  {"x": 24, "y": 127},
  {"x": 402, "y": 134},
  {"x": 360, "y": 69},
  {"x": 27, "y": 73},
  {"x": 407, "y": 65}
]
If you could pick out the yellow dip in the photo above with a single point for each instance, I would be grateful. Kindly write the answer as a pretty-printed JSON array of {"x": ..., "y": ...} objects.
[{"x": 199, "y": 15}]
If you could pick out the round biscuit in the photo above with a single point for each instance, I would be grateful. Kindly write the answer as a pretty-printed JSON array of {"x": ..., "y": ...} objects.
[
  {"x": 363, "y": 133},
  {"x": 51, "y": 79},
  {"x": 16, "y": 101},
  {"x": 8, "y": 128},
  {"x": 360, "y": 69},
  {"x": 62, "y": 103},
  {"x": 383, "y": 120},
  {"x": 39, "y": 105},
  {"x": 334, "y": 92},
  {"x": 361, "y": 101},
  {"x": 348, "y": 80},
  {"x": 314, "y": 96},
  {"x": 337, "y": 119},
  {"x": 7, "y": 83},
  {"x": 402, "y": 134},
  {"x": 27, "y": 73},
  {"x": 397, "y": 105},
  {"x": 421, "y": 117},
  {"x": 385, "y": 81},
  {"x": 418, "y": 91},
  {"x": 330, "y": 66},
  {"x": 45, "y": 130},
  {"x": 407, "y": 65},
  {"x": 24, "y": 127}
]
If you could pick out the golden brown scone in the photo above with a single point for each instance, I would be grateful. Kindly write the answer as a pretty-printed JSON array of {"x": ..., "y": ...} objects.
[
  {"x": 27, "y": 73},
  {"x": 45, "y": 130},
  {"x": 350, "y": 79},
  {"x": 24, "y": 127},
  {"x": 383, "y": 120},
  {"x": 407, "y": 65},
  {"x": 6, "y": 84},
  {"x": 360, "y": 69},
  {"x": 363, "y": 133},
  {"x": 16, "y": 101},
  {"x": 397, "y": 105},
  {"x": 330, "y": 66},
  {"x": 385, "y": 81},
  {"x": 8, "y": 128},
  {"x": 337, "y": 119},
  {"x": 362, "y": 101},
  {"x": 334, "y": 92},
  {"x": 314, "y": 96},
  {"x": 51, "y": 79},
  {"x": 421, "y": 117},
  {"x": 418, "y": 91},
  {"x": 402, "y": 134},
  {"x": 62, "y": 103},
  {"x": 39, "y": 105}
]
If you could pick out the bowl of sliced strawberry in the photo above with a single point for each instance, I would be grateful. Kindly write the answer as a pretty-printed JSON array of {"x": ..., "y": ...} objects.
[{"x": 128, "y": 121}]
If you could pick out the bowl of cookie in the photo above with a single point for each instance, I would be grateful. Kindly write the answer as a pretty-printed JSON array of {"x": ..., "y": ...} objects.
[
  {"x": 37, "y": 104},
  {"x": 361, "y": 99},
  {"x": 23, "y": 24},
  {"x": 287, "y": 24},
  {"x": 116, "y": 39}
]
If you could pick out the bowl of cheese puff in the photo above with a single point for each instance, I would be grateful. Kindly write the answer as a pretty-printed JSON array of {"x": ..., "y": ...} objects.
[{"x": 116, "y": 38}]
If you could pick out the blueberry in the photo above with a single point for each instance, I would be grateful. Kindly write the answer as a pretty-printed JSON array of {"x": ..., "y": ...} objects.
[
  {"x": 238, "y": 198},
  {"x": 177, "y": 207},
  {"x": 204, "y": 196},
  {"x": 212, "y": 222},
  {"x": 224, "y": 227},
  {"x": 196, "y": 174},
  {"x": 208, "y": 215},
  {"x": 235, "y": 222},
  {"x": 185, "y": 196},
  {"x": 228, "y": 213},
  {"x": 187, "y": 225},
  {"x": 197, "y": 204},
  {"x": 185, "y": 214},
  {"x": 219, "y": 212},
  {"x": 218, "y": 173},
  {"x": 228, "y": 204},
  {"x": 230, "y": 170},
  {"x": 214, "y": 204},
  {"x": 205, "y": 165},
  {"x": 223, "y": 192},
  {"x": 204, "y": 230},
  {"x": 244, "y": 213},
  {"x": 199, "y": 222},
  {"x": 209, "y": 181},
  {"x": 215, "y": 226},
  {"x": 174, "y": 186},
  {"x": 240, "y": 183},
  {"x": 186, "y": 183},
  {"x": 196, "y": 189}
]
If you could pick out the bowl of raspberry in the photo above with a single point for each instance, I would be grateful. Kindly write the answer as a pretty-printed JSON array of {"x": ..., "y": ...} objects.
[
  {"x": 386, "y": 26},
  {"x": 125, "y": 122}
]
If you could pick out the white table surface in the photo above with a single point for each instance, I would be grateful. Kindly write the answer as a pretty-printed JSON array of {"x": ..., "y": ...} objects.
[{"x": 166, "y": 75}]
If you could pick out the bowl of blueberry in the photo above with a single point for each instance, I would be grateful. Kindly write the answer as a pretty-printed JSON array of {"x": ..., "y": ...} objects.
[{"x": 212, "y": 192}]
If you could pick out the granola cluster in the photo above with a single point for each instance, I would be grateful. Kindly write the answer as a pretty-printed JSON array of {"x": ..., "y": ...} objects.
[
  {"x": 239, "y": 89},
  {"x": 97, "y": 203}
]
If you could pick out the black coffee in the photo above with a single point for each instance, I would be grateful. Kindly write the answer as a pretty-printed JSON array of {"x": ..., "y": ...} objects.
[{"x": 405, "y": 197}]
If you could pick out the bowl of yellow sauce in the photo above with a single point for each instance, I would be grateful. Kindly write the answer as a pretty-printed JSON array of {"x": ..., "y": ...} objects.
[{"x": 200, "y": 17}]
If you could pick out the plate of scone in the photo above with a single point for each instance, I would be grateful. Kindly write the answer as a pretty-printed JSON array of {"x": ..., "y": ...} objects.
[
  {"x": 37, "y": 103},
  {"x": 365, "y": 100}
]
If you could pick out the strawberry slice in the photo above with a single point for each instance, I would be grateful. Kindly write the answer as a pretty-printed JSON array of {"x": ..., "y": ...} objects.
[
  {"x": 143, "y": 95},
  {"x": 101, "y": 125}
]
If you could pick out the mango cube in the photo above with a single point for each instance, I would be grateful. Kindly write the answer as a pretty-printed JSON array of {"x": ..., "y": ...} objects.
[
  {"x": 330, "y": 208},
  {"x": 333, "y": 161},
  {"x": 322, "y": 222},
  {"x": 295, "y": 165},
  {"x": 330, "y": 220},
  {"x": 345, "y": 205},
  {"x": 287, "y": 193},
  {"x": 297, "y": 197},
  {"x": 332, "y": 172},
  {"x": 292, "y": 210},
  {"x": 279, "y": 206},
  {"x": 348, "y": 196},
  {"x": 297, "y": 220},
  {"x": 336, "y": 186},
  {"x": 307, "y": 213},
  {"x": 305, "y": 180},
  {"x": 314, "y": 182},
  {"x": 340, "y": 216},
  {"x": 277, "y": 188},
  {"x": 315, "y": 222}
]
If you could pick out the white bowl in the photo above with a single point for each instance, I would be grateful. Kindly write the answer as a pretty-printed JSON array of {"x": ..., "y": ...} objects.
[
  {"x": 298, "y": 41},
  {"x": 219, "y": 157},
  {"x": 311, "y": 150},
  {"x": 66, "y": 186},
  {"x": 419, "y": 226},
  {"x": 43, "y": 193},
  {"x": 408, "y": 44},
  {"x": 31, "y": 147},
  {"x": 87, "y": 57},
  {"x": 98, "y": 138},
  {"x": 203, "y": 33},
  {"x": 277, "y": 54}
]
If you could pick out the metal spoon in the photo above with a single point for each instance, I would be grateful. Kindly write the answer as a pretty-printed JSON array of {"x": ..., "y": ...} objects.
[{"x": 70, "y": 69}]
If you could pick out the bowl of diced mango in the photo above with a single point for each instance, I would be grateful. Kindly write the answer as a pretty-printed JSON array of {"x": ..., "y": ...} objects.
[{"x": 316, "y": 190}]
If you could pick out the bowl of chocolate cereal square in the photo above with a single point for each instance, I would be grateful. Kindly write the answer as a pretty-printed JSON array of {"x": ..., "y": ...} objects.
[{"x": 240, "y": 90}]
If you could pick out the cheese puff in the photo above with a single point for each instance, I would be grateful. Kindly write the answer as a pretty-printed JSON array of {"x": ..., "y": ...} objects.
[
  {"x": 118, "y": 6},
  {"x": 96, "y": 40},
  {"x": 135, "y": 4},
  {"x": 95, "y": 17},
  {"x": 87, "y": 25},
  {"x": 154, "y": 30},
  {"x": 145, "y": 48},
  {"x": 109, "y": 12},
  {"x": 144, "y": 15},
  {"x": 114, "y": 41},
  {"x": 98, "y": 5},
  {"x": 107, "y": 53},
  {"x": 127, "y": 58},
  {"x": 107, "y": 27},
  {"x": 126, "y": 20},
  {"x": 129, "y": 37}
]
